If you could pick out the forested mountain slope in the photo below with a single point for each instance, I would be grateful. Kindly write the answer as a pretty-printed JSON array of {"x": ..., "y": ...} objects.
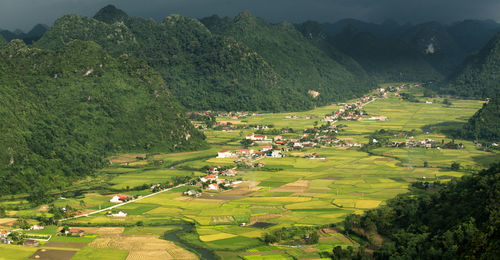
[
  {"x": 485, "y": 124},
  {"x": 203, "y": 70},
  {"x": 63, "y": 111},
  {"x": 479, "y": 75},
  {"x": 303, "y": 65},
  {"x": 460, "y": 220}
]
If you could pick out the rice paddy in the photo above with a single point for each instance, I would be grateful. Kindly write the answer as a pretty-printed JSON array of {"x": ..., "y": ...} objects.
[{"x": 290, "y": 191}]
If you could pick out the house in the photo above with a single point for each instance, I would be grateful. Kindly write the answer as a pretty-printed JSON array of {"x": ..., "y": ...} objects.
[
  {"x": 192, "y": 193},
  {"x": 119, "y": 214},
  {"x": 213, "y": 169},
  {"x": 4, "y": 234},
  {"x": 267, "y": 148},
  {"x": 256, "y": 137},
  {"x": 119, "y": 198},
  {"x": 224, "y": 154},
  {"x": 213, "y": 186},
  {"x": 260, "y": 164},
  {"x": 75, "y": 232},
  {"x": 380, "y": 118},
  {"x": 31, "y": 242},
  {"x": 276, "y": 153},
  {"x": 297, "y": 146},
  {"x": 36, "y": 227},
  {"x": 244, "y": 151},
  {"x": 277, "y": 138},
  {"x": 229, "y": 173}
]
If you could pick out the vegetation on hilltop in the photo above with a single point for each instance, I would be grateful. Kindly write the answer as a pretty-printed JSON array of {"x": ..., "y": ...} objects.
[
  {"x": 485, "y": 124},
  {"x": 298, "y": 61},
  {"x": 203, "y": 70},
  {"x": 456, "y": 220},
  {"x": 478, "y": 76},
  {"x": 3, "y": 42},
  {"x": 63, "y": 111}
]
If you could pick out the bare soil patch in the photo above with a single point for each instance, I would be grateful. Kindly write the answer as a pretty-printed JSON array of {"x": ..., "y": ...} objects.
[
  {"x": 238, "y": 191},
  {"x": 255, "y": 219},
  {"x": 223, "y": 219},
  {"x": 304, "y": 194},
  {"x": 75, "y": 245},
  {"x": 128, "y": 157},
  {"x": 103, "y": 231},
  {"x": 230, "y": 121},
  {"x": 52, "y": 254}
]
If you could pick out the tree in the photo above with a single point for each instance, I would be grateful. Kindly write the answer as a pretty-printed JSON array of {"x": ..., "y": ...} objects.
[
  {"x": 455, "y": 166},
  {"x": 246, "y": 143},
  {"x": 426, "y": 164}
]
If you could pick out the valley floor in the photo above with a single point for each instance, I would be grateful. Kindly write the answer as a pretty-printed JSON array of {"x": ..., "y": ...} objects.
[{"x": 288, "y": 191}]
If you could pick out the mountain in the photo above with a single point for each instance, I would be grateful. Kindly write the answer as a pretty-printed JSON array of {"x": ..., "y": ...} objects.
[
  {"x": 63, "y": 111},
  {"x": 472, "y": 35},
  {"x": 203, "y": 70},
  {"x": 484, "y": 125},
  {"x": 478, "y": 76},
  {"x": 33, "y": 35},
  {"x": 437, "y": 46},
  {"x": 3, "y": 42},
  {"x": 455, "y": 220},
  {"x": 387, "y": 60},
  {"x": 304, "y": 66}
]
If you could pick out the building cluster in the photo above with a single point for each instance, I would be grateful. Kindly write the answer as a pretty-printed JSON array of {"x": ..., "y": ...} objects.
[{"x": 427, "y": 143}]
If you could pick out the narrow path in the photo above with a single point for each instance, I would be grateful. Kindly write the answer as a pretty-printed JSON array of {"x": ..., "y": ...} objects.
[{"x": 121, "y": 204}]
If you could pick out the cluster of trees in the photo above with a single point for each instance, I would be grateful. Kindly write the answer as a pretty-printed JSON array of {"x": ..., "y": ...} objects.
[
  {"x": 309, "y": 235},
  {"x": 63, "y": 112},
  {"x": 455, "y": 220}
]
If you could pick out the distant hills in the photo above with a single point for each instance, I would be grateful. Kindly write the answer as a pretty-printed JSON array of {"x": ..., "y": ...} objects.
[
  {"x": 63, "y": 111},
  {"x": 426, "y": 51},
  {"x": 33, "y": 35}
]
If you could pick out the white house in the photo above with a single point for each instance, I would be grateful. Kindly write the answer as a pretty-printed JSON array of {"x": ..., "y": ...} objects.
[
  {"x": 276, "y": 153},
  {"x": 213, "y": 186},
  {"x": 118, "y": 198},
  {"x": 36, "y": 227},
  {"x": 224, "y": 154},
  {"x": 119, "y": 214},
  {"x": 267, "y": 148}
]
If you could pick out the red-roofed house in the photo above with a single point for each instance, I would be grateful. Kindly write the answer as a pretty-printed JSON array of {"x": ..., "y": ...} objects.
[
  {"x": 224, "y": 154},
  {"x": 119, "y": 198}
]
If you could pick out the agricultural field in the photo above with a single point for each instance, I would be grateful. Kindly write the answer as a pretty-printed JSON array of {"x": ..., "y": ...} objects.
[{"x": 290, "y": 191}]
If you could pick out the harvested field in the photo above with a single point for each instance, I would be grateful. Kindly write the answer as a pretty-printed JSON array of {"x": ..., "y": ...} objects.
[
  {"x": 143, "y": 247},
  {"x": 297, "y": 186},
  {"x": 129, "y": 157},
  {"x": 239, "y": 191},
  {"x": 253, "y": 219},
  {"x": 52, "y": 254},
  {"x": 74, "y": 245},
  {"x": 230, "y": 121},
  {"x": 223, "y": 219},
  {"x": 103, "y": 231},
  {"x": 332, "y": 178},
  {"x": 304, "y": 194},
  {"x": 272, "y": 252},
  {"x": 7, "y": 221}
]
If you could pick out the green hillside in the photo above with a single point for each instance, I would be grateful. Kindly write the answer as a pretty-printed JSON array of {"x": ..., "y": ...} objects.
[
  {"x": 485, "y": 124},
  {"x": 303, "y": 65},
  {"x": 203, "y": 71},
  {"x": 63, "y": 111},
  {"x": 479, "y": 75},
  {"x": 457, "y": 220}
]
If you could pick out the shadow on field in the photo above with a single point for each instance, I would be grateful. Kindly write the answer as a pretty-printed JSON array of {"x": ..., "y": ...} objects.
[{"x": 450, "y": 129}]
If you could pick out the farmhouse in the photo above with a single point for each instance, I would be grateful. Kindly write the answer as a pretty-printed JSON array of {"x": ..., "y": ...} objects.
[
  {"x": 119, "y": 198},
  {"x": 213, "y": 186},
  {"x": 267, "y": 148},
  {"x": 192, "y": 193},
  {"x": 75, "y": 232},
  {"x": 256, "y": 137},
  {"x": 119, "y": 214},
  {"x": 229, "y": 173},
  {"x": 246, "y": 152},
  {"x": 276, "y": 153},
  {"x": 224, "y": 154},
  {"x": 36, "y": 227}
]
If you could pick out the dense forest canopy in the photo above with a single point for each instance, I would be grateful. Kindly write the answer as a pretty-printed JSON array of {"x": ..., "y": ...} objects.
[
  {"x": 213, "y": 69},
  {"x": 63, "y": 111},
  {"x": 457, "y": 220},
  {"x": 478, "y": 76},
  {"x": 304, "y": 66},
  {"x": 484, "y": 125}
]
